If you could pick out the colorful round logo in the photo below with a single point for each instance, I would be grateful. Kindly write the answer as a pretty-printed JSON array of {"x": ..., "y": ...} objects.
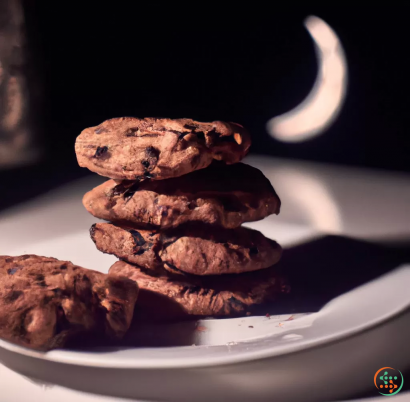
[{"x": 388, "y": 381}]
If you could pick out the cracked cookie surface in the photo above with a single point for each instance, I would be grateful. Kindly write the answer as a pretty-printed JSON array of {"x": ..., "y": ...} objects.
[
  {"x": 192, "y": 250},
  {"x": 222, "y": 195},
  {"x": 129, "y": 148}
]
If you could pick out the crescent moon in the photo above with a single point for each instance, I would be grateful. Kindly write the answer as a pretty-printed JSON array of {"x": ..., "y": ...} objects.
[{"x": 323, "y": 104}]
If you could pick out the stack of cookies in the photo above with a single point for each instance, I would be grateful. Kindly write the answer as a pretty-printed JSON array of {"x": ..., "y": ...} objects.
[{"x": 176, "y": 199}]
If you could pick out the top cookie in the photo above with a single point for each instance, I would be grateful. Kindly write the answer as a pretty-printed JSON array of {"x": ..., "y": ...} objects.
[{"x": 130, "y": 148}]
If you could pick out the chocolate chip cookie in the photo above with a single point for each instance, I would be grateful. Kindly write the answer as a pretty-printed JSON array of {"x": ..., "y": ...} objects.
[
  {"x": 198, "y": 250},
  {"x": 222, "y": 195},
  {"x": 206, "y": 296},
  {"x": 45, "y": 302},
  {"x": 129, "y": 148}
]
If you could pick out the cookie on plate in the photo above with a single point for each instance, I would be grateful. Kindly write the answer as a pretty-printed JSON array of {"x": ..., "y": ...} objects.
[
  {"x": 222, "y": 195},
  {"x": 205, "y": 296},
  {"x": 198, "y": 250},
  {"x": 129, "y": 148},
  {"x": 45, "y": 302}
]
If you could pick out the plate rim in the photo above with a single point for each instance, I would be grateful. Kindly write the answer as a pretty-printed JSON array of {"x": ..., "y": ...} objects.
[{"x": 69, "y": 357}]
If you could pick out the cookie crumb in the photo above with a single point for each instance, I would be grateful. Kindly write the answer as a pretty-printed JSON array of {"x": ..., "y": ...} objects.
[
  {"x": 267, "y": 315},
  {"x": 250, "y": 326}
]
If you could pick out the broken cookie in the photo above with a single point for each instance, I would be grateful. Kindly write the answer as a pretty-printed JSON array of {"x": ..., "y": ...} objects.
[{"x": 45, "y": 302}]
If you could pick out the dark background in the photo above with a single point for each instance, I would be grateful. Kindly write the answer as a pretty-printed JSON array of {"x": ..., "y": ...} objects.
[{"x": 246, "y": 64}]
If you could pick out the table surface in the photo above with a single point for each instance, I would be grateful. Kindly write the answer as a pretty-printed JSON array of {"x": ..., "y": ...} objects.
[{"x": 316, "y": 198}]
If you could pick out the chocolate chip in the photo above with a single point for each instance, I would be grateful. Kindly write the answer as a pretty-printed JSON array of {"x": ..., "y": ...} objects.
[
  {"x": 119, "y": 189},
  {"x": 141, "y": 246},
  {"x": 57, "y": 292},
  {"x": 184, "y": 289},
  {"x": 151, "y": 157},
  {"x": 129, "y": 192},
  {"x": 22, "y": 330},
  {"x": 192, "y": 205},
  {"x": 138, "y": 239},
  {"x": 227, "y": 138},
  {"x": 131, "y": 132},
  {"x": 62, "y": 323},
  {"x": 190, "y": 127},
  {"x": 236, "y": 304},
  {"x": 194, "y": 289},
  {"x": 200, "y": 135},
  {"x": 12, "y": 271},
  {"x": 100, "y": 130},
  {"x": 253, "y": 250},
  {"x": 147, "y": 246},
  {"x": 182, "y": 135},
  {"x": 100, "y": 151},
  {"x": 148, "y": 175},
  {"x": 231, "y": 203},
  {"x": 164, "y": 210},
  {"x": 63, "y": 267},
  {"x": 92, "y": 234},
  {"x": 211, "y": 138},
  {"x": 122, "y": 187},
  {"x": 254, "y": 203},
  {"x": 145, "y": 163},
  {"x": 13, "y": 295},
  {"x": 167, "y": 240},
  {"x": 9, "y": 260}
]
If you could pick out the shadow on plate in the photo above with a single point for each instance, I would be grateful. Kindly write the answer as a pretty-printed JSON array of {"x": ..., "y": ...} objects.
[
  {"x": 317, "y": 271},
  {"x": 322, "y": 269}
]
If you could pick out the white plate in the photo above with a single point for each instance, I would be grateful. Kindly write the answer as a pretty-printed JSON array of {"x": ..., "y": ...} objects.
[
  {"x": 231, "y": 340},
  {"x": 288, "y": 358}
]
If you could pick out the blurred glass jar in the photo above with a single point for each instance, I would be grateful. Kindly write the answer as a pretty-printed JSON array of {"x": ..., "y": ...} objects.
[{"x": 18, "y": 145}]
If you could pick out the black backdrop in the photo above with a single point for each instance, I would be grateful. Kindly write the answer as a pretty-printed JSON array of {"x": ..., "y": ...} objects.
[{"x": 246, "y": 64}]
